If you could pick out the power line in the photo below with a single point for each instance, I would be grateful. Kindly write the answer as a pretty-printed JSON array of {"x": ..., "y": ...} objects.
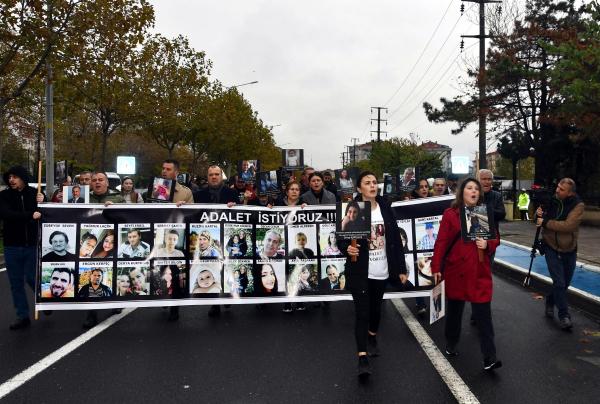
[{"x": 421, "y": 55}]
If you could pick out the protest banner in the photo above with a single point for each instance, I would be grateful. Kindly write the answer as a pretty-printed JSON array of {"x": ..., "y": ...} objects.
[{"x": 155, "y": 255}]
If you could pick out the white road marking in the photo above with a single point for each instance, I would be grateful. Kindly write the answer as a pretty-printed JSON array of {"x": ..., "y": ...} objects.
[
  {"x": 455, "y": 383},
  {"x": 32, "y": 371}
]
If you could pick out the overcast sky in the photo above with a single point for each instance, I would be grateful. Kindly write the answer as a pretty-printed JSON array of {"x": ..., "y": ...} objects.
[{"x": 321, "y": 65}]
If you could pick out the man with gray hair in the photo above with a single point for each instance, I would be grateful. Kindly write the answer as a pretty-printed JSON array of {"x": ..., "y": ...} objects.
[
  {"x": 560, "y": 228},
  {"x": 493, "y": 199}
]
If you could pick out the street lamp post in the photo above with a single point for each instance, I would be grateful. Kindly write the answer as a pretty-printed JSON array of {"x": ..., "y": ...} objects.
[{"x": 240, "y": 85}]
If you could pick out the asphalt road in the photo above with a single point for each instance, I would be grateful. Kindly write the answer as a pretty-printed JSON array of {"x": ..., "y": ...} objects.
[{"x": 266, "y": 356}]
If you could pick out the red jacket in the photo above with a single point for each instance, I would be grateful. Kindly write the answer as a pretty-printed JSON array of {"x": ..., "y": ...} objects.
[{"x": 466, "y": 278}]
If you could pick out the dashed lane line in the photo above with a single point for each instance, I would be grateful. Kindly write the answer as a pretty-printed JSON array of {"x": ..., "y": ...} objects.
[
  {"x": 32, "y": 371},
  {"x": 455, "y": 383}
]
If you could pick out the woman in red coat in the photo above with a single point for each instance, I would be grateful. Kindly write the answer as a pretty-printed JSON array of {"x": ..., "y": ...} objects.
[{"x": 467, "y": 271}]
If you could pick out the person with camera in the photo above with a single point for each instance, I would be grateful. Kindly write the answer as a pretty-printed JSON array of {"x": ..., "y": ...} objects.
[{"x": 560, "y": 228}]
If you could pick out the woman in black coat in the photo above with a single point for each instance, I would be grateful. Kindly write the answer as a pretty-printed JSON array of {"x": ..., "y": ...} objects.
[{"x": 367, "y": 277}]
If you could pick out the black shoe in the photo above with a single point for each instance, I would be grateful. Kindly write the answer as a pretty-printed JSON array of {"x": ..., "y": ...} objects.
[
  {"x": 90, "y": 320},
  {"x": 372, "y": 347},
  {"x": 364, "y": 369},
  {"x": 565, "y": 323},
  {"x": 287, "y": 308},
  {"x": 20, "y": 324},
  {"x": 116, "y": 311},
  {"x": 549, "y": 311},
  {"x": 214, "y": 311},
  {"x": 300, "y": 307},
  {"x": 491, "y": 364},
  {"x": 421, "y": 311},
  {"x": 173, "y": 314},
  {"x": 451, "y": 350}
]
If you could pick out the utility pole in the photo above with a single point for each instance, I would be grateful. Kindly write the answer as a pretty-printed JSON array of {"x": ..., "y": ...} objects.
[
  {"x": 354, "y": 139},
  {"x": 379, "y": 120},
  {"x": 481, "y": 78},
  {"x": 49, "y": 114}
]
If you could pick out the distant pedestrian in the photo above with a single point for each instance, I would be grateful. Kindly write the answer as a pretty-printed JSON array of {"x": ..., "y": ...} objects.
[{"x": 524, "y": 204}]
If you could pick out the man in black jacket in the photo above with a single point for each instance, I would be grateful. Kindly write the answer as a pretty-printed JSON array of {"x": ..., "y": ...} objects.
[
  {"x": 216, "y": 193},
  {"x": 18, "y": 209},
  {"x": 490, "y": 197}
]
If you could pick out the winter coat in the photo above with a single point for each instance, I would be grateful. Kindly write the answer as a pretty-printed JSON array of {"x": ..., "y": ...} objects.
[
  {"x": 466, "y": 277},
  {"x": 561, "y": 229}
]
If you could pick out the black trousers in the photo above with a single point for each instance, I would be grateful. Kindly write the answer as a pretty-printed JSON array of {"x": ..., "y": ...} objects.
[
  {"x": 482, "y": 313},
  {"x": 367, "y": 310}
]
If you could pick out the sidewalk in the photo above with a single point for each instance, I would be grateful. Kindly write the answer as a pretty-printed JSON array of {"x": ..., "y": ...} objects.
[{"x": 523, "y": 233}]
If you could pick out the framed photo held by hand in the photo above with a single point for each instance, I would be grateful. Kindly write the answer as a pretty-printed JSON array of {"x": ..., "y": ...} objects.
[{"x": 161, "y": 190}]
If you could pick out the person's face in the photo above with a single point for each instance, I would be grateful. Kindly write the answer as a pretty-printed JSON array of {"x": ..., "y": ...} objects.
[
  {"x": 327, "y": 178},
  {"x": 429, "y": 231},
  {"x": 99, "y": 184},
  {"x": 342, "y": 281},
  {"x": 133, "y": 238},
  {"x": 167, "y": 275},
  {"x": 59, "y": 243},
  {"x": 563, "y": 191},
  {"x": 87, "y": 247},
  {"x": 59, "y": 283},
  {"x": 127, "y": 185},
  {"x": 205, "y": 279},
  {"x": 352, "y": 213},
  {"x": 108, "y": 243},
  {"x": 137, "y": 278},
  {"x": 76, "y": 193},
  {"x": 214, "y": 177},
  {"x": 301, "y": 240},
  {"x": 124, "y": 283},
  {"x": 239, "y": 183},
  {"x": 404, "y": 240},
  {"x": 332, "y": 239},
  {"x": 307, "y": 174},
  {"x": 471, "y": 194},
  {"x": 344, "y": 174},
  {"x": 486, "y": 182},
  {"x": 95, "y": 278},
  {"x": 242, "y": 270},
  {"x": 438, "y": 187},
  {"x": 408, "y": 174},
  {"x": 171, "y": 241},
  {"x": 236, "y": 239},
  {"x": 423, "y": 189},
  {"x": 293, "y": 192},
  {"x": 304, "y": 275},
  {"x": 203, "y": 242},
  {"x": 368, "y": 186},
  {"x": 271, "y": 245},
  {"x": 168, "y": 171},
  {"x": 316, "y": 183},
  {"x": 245, "y": 165},
  {"x": 15, "y": 182},
  {"x": 85, "y": 179},
  {"x": 267, "y": 277},
  {"x": 332, "y": 274}
]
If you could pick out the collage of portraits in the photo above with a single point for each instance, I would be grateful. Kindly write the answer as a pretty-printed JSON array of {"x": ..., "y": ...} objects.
[{"x": 164, "y": 252}]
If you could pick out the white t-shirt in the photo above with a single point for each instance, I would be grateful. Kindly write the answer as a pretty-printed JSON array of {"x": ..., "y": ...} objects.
[{"x": 378, "y": 265}]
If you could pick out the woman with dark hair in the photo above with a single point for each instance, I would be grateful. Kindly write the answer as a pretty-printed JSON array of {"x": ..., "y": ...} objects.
[
  {"x": 404, "y": 239},
  {"x": 467, "y": 272},
  {"x": 128, "y": 192},
  {"x": 267, "y": 284},
  {"x": 352, "y": 220},
  {"x": 366, "y": 278},
  {"x": 421, "y": 190},
  {"x": 332, "y": 247},
  {"x": 105, "y": 249}
]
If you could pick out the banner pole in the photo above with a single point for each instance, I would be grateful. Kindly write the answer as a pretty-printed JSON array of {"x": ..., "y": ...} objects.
[{"x": 353, "y": 244}]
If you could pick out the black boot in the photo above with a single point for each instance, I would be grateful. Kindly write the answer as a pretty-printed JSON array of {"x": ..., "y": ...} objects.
[{"x": 20, "y": 324}]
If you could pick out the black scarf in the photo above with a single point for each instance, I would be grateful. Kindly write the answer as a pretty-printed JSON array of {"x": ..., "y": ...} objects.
[{"x": 215, "y": 193}]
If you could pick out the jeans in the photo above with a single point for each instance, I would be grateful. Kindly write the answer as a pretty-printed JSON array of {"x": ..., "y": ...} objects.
[
  {"x": 367, "y": 309},
  {"x": 561, "y": 266},
  {"x": 20, "y": 266},
  {"x": 482, "y": 313}
]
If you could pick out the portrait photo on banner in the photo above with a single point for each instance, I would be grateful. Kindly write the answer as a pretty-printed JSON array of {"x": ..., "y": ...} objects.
[
  {"x": 268, "y": 183},
  {"x": 169, "y": 240},
  {"x": 238, "y": 277},
  {"x": 426, "y": 231},
  {"x": 333, "y": 275},
  {"x": 302, "y": 278},
  {"x": 57, "y": 280},
  {"x": 205, "y": 241},
  {"x": 139, "y": 278},
  {"x": 135, "y": 240},
  {"x": 269, "y": 277},
  {"x": 238, "y": 240},
  {"x": 205, "y": 277},
  {"x": 76, "y": 194},
  {"x": 270, "y": 242},
  {"x": 97, "y": 241},
  {"x": 168, "y": 278},
  {"x": 59, "y": 241},
  {"x": 302, "y": 241},
  {"x": 409, "y": 260},
  {"x": 423, "y": 269},
  {"x": 161, "y": 190},
  {"x": 95, "y": 279},
  {"x": 328, "y": 240},
  {"x": 406, "y": 235}
]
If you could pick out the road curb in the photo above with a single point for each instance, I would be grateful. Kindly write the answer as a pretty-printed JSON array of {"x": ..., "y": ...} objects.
[{"x": 543, "y": 285}]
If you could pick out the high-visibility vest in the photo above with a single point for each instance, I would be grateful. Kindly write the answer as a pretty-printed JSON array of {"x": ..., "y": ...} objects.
[{"x": 523, "y": 201}]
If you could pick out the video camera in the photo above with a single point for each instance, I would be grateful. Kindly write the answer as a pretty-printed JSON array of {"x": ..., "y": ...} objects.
[{"x": 541, "y": 197}]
